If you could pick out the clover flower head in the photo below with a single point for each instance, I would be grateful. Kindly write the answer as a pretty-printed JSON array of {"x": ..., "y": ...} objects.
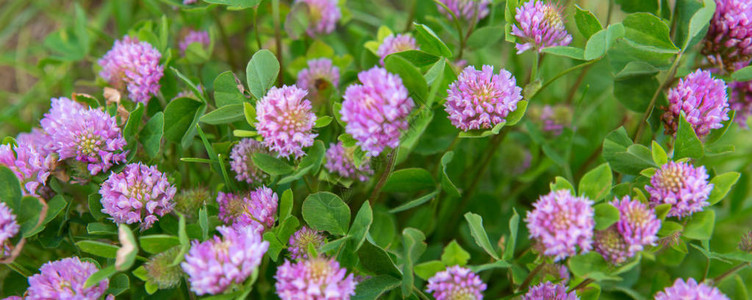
[
  {"x": 561, "y": 222},
  {"x": 241, "y": 161},
  {"x": 396, "y": 43},
  {"x": 611, "y": 245},
  {"x": 138, "y": 194},
  {"x": 690, "y": 290},
  {"x": 37, "y": 139},
  {"x": 193, "y": 36},
  {"x": 729, "y": 37},
  {"x": 300, "y": 241},
  {"x": 341, "y": 161},
  {"x": 456, "y": 283},
  {"x": 376, "y": 111},
  {"x": 215, "y": 265},
  {"x": 481, "y": 99},
  {"x": 703, "y": 101},
  {"x": 549, "y": 291},
  {"x": 741, "y": 98},
  {"x": 682, "y": 185},
  {"x": 467, "y": 10},
  {"x": 285, "y": 121},
  {"x": 540, "y": 25},
  {"x": 319, "y": 74},
  {"x": 256, "y": 210},
  {"x": 8, "y": 226},
  {"x": 159, "y": 269},
  {"x": 316, "y": 278},
  {"x": 64, "y": 279},
  {"x": 324, "y": 16},
  {"x": 31, "y": 167},
  {"x": 637, "y": 224},
  {"x": 133, "y": 65}
]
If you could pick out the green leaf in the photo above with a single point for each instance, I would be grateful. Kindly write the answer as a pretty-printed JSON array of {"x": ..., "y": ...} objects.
[
  {"x": 100, "y": 275},
  {"x": 98, "y": 248},
  {"x": 454, "y": 255},
  {"x": 586, "y": 22},
  {"x": 193, "y": 87},
  {"x": 636, "y": 68},
  {"x": 484, "y": 37},
  {"x": 101, "y": 228},
  {"x": 262, "y": 72},
  {"x": 134, "y": 121},
  {"x": 413, "y": 241},
  {"x": 29, "y": 215},
  {"x": 446, "y": 182},
  {"x": 718, "y": 133},
  {"x": 326, "y": 211},
  {"x": 10, "y": 188},
  {"x": 235, "y": 4},
  {"x": 227, "y": 90},
  {"x": 118, "y": 285},
  {"x": 95, "y": 207},
  {"x": 250, "y": 113},
  {"x": 635, "y": 91},
  {"x": 414, "y": 203},
  {"x": 271, "y": 165},
  {"x": 409, "y": 180},
  {"x": 275, "y": 245},
  {"x": 659, "y": 155},
  {"x": 418, "y": 58},
  {"x": 661, "y": 211},
  {"x": 360, "y": 226},
  {"x": 126, "y": 254},
  {"x": 605, "y": 215},
  {"x": 687, "y": 142},
  {"x": 323, "y": 121},
  {"x": 601, "y": 41},
  {"x": 151, "y": 135},
  {"x": 297, "y": 20},
  {"x": 203, "y": 222},
  {"x": 699, "y": 22},
  {"x": 596, "y": 183},
  {"x": 561, "y": 183},
  {"x": 489, "y": 266},
  {"x": 286, "y": 203},
  {"x": 158, "y": 243},
  {"x": 375, "y": 259},
  {"x": 743, "y": 74},
  {"x": 429, "y": 42},
  {"x": 411, "y": 76},
  {"x": 223, "y": 115},
  {"x": 374, "y": 287},
  {"x": 632, "y": 6},
  {"x": 179, "y": 116},
  {"x": 722, "y": 185},
  {"x": 623, "y": 156},
  {"x": 479, "y": 234},
  {"x": 474, "y": 134},
  {"x": 566, "y": 51},
  {"x": 591, "y": 265},
  {"x": 514, "y": 224},
  {"x": 647, "y": 32},
  {"x": 427, "y": 269},
  {"x": 700, "y": 226}
]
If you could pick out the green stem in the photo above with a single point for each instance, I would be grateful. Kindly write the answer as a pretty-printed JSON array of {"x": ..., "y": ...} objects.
[
  {"x": 565, "y": 72},
  {"x": 391, "y": 157},
  {"x": 256, "y": 27},
  {"x": 530, "y": 277},
  {"x": 730, "y": 272},
  {"x": 534, "y": 69},
  {"x": 671, "y": 73},
  {"x": 225, "y": 40},
  {"x": 19, "y": 269},
  {"x": 582, "y": 284},
  {"x": 495, "y": 143}
]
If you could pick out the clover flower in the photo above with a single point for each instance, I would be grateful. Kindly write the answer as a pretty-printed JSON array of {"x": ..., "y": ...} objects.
[
  {"x": 64, "y": 279},
  {"x": 456, "y": 283},
  {"x": 256, "y": 210},
  {"x": 37, "y": 139},
  {"x": 690, "y": 290},
  {"x": 285, "y": 120},
  {"x": 467, "y": 10},
  {"x": 741, "y": 98},
  {"x": 90, "y": 136},
  {"x": 241, "y": 161},
  {"x": 319, "y": 74},
  {"x": 481, "y": 99},
  {"x": 160, "y": 271},
  {"x": 394, "y": 44},
  {"x": 340, "y": 161},
  {"x": 682, "y": 185},
  {"x": 300, "y": 241},
  {"x": 133, "y": 65},
  {"x": 8, "y": 227},
  {"x": 555, "y": 119},
  {"x": 562, "y": 222},
  {"x": 316, "y": 278},
  {"x": 703, "y": 101},
  {"x": 377, "y": 110},
  {"x": 193, "y": 36},
  {"x": 138, "y": 194},
  {"x": 215, "y": 265},
  {"x": 30, "y": 167},
  {"x": 549, "y": 291},
  {"x": 637, "y": 224},
  {"x": 729, "y": 37},
  {"x": 540, "y": 25},
  {"x": 324, "y": 16}
]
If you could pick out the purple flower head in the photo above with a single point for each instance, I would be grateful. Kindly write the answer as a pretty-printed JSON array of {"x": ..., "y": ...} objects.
[
  {"x": 138, "y": 194},
  {"x": 467, "y": 10},
  {"x": 256, "y": 210},
  {"x": 340, "y": 161},
  {"x": 193, "y": 36},
  {"x": 682, "y": 185},
  {"x": 637, "y": 224},
  {"x": 285, "y": 120},
  {"x": 561, "y": 222},
  {"x": 133, "y": 65},
  {"x": 377, "y": 110},
  {"x": 8, "y": 226},
  {"x": 241, "y": 161},
  {"x": 315, "y": 279},
  {"x": 319, "y": 74},
  {"x": 394, "y": 44},
  {"x": 216, "y": 264},
  {"x": 160, "y": 271},
  {"x": 481, "y": 99},
  {"x": 30, "y": 166},
  {"x": 729, "y": 37},
  {"x": 703, "y": 101},
  {"x": 300, "y": 241},
  {"x": 541, "y": 25},
  {"x": 690, "y": 290},
  {"x": 324, "y": 16},
  {"x": 741, "y": 98},
  {"x": 64, "y": 279},
  {"x": 37, "y": 139},
  {"x": 456, "y": 283},
  {"x": 549, "y": 291},
  {"x": 88, "y": 135}
]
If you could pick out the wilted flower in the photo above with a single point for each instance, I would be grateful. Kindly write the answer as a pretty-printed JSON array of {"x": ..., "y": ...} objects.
[
  {"x": 703, "y": 101},
  {"x": 316, "y": 278},
  {"x": 746, "y": 243},
  {"x": 324, "y": 15},
  {"x": 241, "y": 161},
  {"x": 91, "y": 136},
  {"x": 193, "y": 36},
  {"x": 682, "y": 185},
  {"x": 340, "y": 161},
  {"x": 64, "y": 279},
  {"x": 481, "y": 99},
  {"x": 540, "y": 25},
  {"x": 160, "y": 271},
  {"x": 550, "y": 291},
  {"x": 139, "y": 193},
  {"x": 690, "y": 290},
  {"x": 729, "y": 37},
  {"x": 394, "y": 44},
  {"x": 376, "y": 111},
  {"x": 216, "y": 264},
  {"x": 285, "y": 120},
  {"x": 467, "y": 10},
  {"x": 30, "y": 166},
  {"x": 456, "y": 283},
  {"x": 562, "y": 222},
  {"x": 319, "y": 74},
  {"x": 257, "y": 210},
  {"x": 133, "y": 65},
  {"x": 8, "y": 227},
  {"x": 300, "y": 241},
  {"x": 189, "y": 201}
]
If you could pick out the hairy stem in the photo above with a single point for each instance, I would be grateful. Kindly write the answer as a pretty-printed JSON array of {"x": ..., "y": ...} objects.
[
  {"x": 730, "y": 272},
  {"x": 664, "y": 84},
  {"x": 529, "y": 278},
  {"x": 391, "y": 157}
]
